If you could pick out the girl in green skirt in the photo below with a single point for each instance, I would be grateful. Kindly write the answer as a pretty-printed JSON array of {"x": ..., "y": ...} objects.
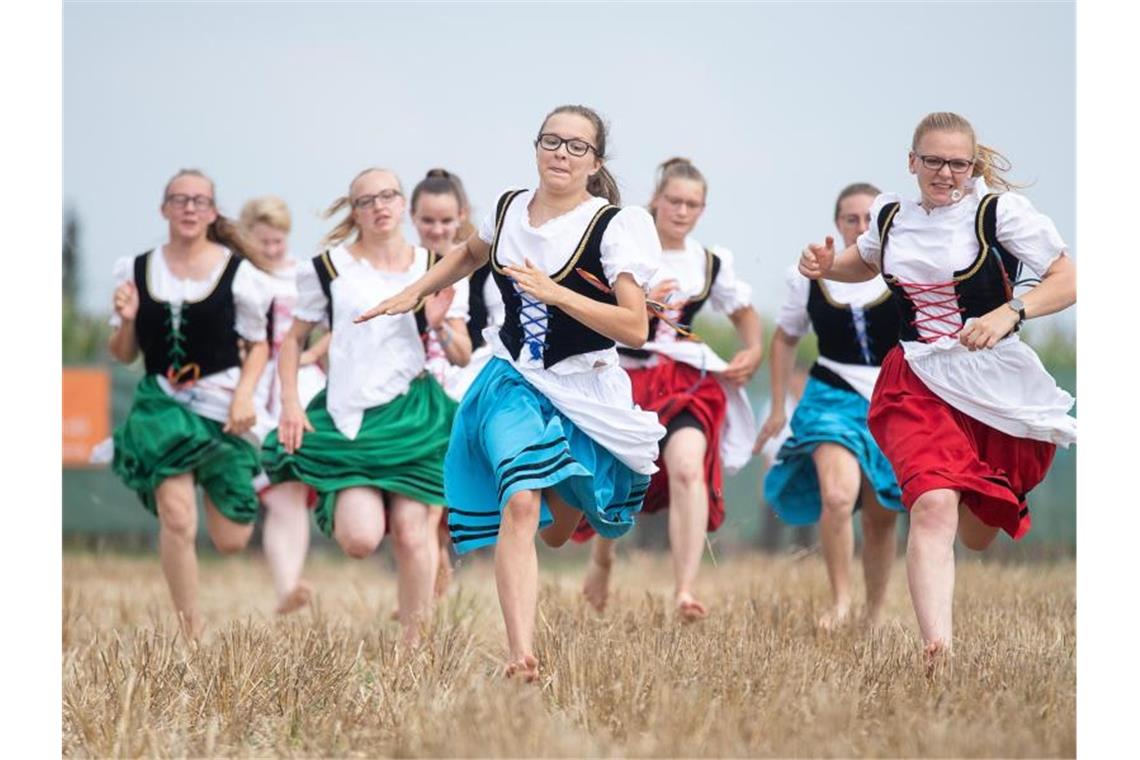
[
  {"x": 372, "y": 443},
  {"x": 188, "y": 307}
]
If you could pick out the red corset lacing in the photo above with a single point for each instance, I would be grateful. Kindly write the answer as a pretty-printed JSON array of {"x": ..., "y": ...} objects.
[{"x": 936, "y": 315}]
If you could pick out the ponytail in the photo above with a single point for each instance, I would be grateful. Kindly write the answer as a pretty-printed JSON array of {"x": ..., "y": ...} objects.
[
  {"x": 603, "y": 185},
  {"x": 989, "y": 164}
]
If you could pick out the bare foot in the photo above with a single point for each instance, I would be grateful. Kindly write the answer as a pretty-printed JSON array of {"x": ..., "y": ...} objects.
[
  {"x": 192, "y": 627},
  {"x": 834, "y": 617},
  {"x": 936, "y": 659},
  {"x": 596, "y": 587},
  {"x": 689, "y": 608},
  {"x": 295, "y": 599},
  {"x": 525, "y": 667}
]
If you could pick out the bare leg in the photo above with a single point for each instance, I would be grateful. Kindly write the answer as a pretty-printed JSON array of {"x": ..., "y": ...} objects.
[
  {"x": 285, "y": 539},
  {"x": 443, "y": 571},
  {"x": 414, "y": 562},
  {"x": 930, "y": 567},
  {"x": 229, "y": 537},
  {"x": 434, "y": 518},
  {"x": 358, "y": 521},
  {"x": 516, "y": 577},
  {"x": 839, "y": 478},
  {"x": 565, "y": 520},
  {"x": 975, "y": 534},
  {"x": 688, "y": 515},
  {"x": 596, "y": 587},
  {"x": 878, "y": 550},
  {"x": 178, "y": 526}
]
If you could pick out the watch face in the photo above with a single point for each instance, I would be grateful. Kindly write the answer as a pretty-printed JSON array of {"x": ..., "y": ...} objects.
[{"x": 1016, "y": 304}]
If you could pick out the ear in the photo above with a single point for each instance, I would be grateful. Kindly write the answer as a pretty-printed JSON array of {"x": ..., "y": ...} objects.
[{"x": 910, "y": 162}]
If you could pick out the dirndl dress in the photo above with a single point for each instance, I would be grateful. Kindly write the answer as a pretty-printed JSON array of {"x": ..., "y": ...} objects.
[
  {"x": 826, "y": 413},
  {"x": 399, "y": 449},
  {"x": 509, "y": 437},
  {"x": 162, "y": 437}
]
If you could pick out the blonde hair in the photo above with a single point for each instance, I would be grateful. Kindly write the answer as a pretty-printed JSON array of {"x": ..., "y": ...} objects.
[
  {"x": 222, "y": 230},
  {"x": 989, "y": 164},
  {"x": 347, "y": 226},
  {"x": 676, "y": 168},
  {"x": 268, "y": 209}
]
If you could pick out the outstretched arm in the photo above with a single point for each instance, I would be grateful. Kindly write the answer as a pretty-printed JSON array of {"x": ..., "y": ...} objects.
[
  {"x": 459, "y": 262},
  {"x": 821, "y": 262}
]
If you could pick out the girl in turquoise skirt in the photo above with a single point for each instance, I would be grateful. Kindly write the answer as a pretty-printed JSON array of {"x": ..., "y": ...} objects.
[
  {"x": 372, "y": 443},
  {"x": 548, "y": 431},
  {"x": 831, "y": 465},
  {"x": 186, "y": 306}
]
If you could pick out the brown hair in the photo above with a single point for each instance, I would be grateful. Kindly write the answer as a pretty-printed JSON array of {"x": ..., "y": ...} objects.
[
  {"x": 989, "y": 164},
  {"x": 676, "y": 168},
  {"x": 442, "y": 182},
  {"x": 855, "y": 188},
  {"x": 345, "y": 227},
  {"x": 222, "y": 230},
  {"x": 602, "y": 183}
]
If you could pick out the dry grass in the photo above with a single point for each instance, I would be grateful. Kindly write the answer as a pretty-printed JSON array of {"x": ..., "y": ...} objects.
[{"x": 756, "y": 678}]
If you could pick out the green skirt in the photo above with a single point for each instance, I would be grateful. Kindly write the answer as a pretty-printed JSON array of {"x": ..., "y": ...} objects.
[
  {"x": 399, "y": 448},
  {"x": 162, "y": 438}
]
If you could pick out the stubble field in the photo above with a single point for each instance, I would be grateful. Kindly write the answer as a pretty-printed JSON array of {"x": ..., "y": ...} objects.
[{"x": 754, "y": 679}]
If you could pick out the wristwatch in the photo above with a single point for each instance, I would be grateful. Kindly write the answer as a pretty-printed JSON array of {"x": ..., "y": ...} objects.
[{"x": 1017, "y": 305}]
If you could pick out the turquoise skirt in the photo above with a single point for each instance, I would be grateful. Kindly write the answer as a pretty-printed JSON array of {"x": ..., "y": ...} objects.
[
  {"x": 826, "y": 414},
  {"x": 507, "y": 438}
]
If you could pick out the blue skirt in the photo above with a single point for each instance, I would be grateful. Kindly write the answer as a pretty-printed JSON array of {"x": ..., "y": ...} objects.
[
  {"x": 506, "y": 438},
  {"x": 826, "y": 414}
]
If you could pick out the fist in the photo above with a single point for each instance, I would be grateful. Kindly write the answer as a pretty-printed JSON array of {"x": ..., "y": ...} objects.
[
  {"x": 816, "y": 260},
  {"x": 127, "y": 301}
]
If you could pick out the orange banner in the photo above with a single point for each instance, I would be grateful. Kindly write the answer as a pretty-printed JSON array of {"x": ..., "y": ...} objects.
[{"x": 86, "y": 412}]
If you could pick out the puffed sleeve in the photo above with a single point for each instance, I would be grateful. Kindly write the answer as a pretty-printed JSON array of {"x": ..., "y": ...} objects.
[
  {"x": 460, "y": 304},
  {"x": 794, "y": 318},
  {"x": 729, "y": 293},
  {"x": 122, "y": 271},
  {"x": 487, "y": 226},
  {"x": 253, "y": 294},
  {"x": 1027, "y": 233},
  {"x": 312, "y": 305},
  {"x": 868, "y": 243},
  {"x": 630, "y": 244}
]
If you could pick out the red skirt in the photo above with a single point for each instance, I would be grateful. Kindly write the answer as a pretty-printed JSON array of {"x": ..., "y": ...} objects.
[
  {"x": 932, "y": 445},
  {"x": 669, "y": 388}
]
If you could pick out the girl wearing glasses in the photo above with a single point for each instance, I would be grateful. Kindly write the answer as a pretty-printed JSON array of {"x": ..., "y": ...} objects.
[
  {"x": 697, "y": 396},
  {"x": 185, "y": 307},
  {"x": 831, "y": 465},
  {"x": 548, "y": 431},
  {"x": 964, "y": 411},
  {"x": 266, "y": 222},
  {"x": 372, "y": 442}
]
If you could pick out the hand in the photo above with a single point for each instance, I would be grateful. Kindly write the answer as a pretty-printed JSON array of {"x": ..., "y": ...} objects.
[
  {"x": 435, "y": 309},
  {"x": 663, "y": 290},
  {"x": 292, "y": 426},
  {"x": 402, "y": 302},
  {"x": 743, "y": 366},
  {"x": 242, "y": 414},
  {"x": 306, "y": 358},
  {"x": 817, "y": 260},
  {"x": 987, "y": 330},
  {"x": 770, "y": 429},
  {"x": 535, "y": 282},
  {"x": 127, "y": 301}
]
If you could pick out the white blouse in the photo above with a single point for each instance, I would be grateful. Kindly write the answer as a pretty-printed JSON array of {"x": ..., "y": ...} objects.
[
  {"x": 371, "y": 363},
  {"x": 209, "y": 396},
  {"x": 1005, "y": 387},
  {"x": 591, "y": 389},
  {"x": 796, "y": 322}
]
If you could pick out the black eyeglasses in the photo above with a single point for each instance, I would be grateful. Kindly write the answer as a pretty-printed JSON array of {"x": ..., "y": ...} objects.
[
  {"x": 935, "y": 164},
  {"x": 574, "y": 146},
  {"x": 384, "y": 196},
  {"x": 182, "y": 200}
]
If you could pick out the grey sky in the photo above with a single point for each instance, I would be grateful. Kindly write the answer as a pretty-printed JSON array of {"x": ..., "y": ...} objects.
[{"x": 779, "y": 104}]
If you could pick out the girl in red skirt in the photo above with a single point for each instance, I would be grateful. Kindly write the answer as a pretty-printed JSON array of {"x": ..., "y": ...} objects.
[
  {"x": 698, "y": 397},
  {"x": 964, "y": 411}
]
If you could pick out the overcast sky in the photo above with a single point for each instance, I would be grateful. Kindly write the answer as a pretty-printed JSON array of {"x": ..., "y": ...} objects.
[{"x": 779, "y": 104}]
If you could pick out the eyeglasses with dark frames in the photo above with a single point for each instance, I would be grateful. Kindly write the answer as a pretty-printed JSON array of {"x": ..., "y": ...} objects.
[
  {"x": 384, "y": 196},
  {"x": 575, "y": 147},
  {"x": 957, "y": 165},
  {"x": 182, "y": 200}
]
